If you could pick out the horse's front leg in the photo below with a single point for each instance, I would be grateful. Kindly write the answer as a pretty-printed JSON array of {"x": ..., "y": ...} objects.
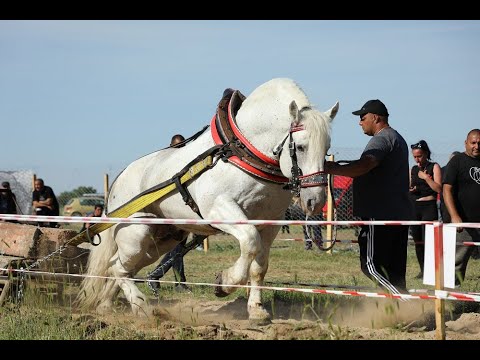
[
  {"x": 250, "y": 244},
  {"x": 258, "y": 269}
]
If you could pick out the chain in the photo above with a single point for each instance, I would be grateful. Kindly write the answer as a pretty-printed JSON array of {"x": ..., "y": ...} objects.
[
  {"x": 39, "y": 261},
  {"x": 20, "y": 286},
  {"x": 22, "y": 271}
]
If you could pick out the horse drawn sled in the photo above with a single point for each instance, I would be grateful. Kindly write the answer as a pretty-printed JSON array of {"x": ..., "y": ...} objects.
[{"x": 41, "y": 250}]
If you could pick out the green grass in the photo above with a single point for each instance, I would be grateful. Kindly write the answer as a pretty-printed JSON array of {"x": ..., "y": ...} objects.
[{"x": 41, "y": 317}]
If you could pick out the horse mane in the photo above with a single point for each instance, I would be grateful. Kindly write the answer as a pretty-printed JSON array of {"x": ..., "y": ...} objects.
[
  {"x": 316, "y": 122},
  {"x": 319, "y": 127}
]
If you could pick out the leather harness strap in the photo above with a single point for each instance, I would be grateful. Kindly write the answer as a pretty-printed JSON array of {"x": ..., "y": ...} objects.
[
  {"x": 239, "y": 151},
  {"x": 193, "y": 169}
]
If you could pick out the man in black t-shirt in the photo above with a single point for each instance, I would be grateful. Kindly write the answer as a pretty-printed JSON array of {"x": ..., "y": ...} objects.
[
  {"x": 380, "y": 192},
  {"x": 444, "y": 216},
  {"x": 461, "y": 192},
  {"x": 44, "y": 201}
]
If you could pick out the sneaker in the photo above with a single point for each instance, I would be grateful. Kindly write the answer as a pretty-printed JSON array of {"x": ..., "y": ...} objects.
[
  {"x": 308, "y": 244},
  {"x": 182, "y": 288}
]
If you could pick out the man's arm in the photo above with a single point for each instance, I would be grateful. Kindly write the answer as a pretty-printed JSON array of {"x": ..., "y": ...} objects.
[
  {"x": 44, "y": 203},
  {"x": 353, "y": 169},
  {"x": 450, "y": 204}
]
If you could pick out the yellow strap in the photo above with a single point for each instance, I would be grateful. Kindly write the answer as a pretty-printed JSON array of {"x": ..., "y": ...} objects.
[{"x": 132, "y": 207}]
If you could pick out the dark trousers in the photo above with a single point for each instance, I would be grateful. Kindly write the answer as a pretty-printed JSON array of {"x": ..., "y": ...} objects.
[
  {"x": 424, "y": 211},
  {"x": 383, "y": 255},
  {"x": 177, "y": 264},
  {"x": 314, "y": 232},
  {"x": 46, "y": 212},
  {"x": 463, "y": 253}
]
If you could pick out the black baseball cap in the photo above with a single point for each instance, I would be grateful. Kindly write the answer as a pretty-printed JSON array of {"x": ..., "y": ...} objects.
[{"x": 374, "y": 107}]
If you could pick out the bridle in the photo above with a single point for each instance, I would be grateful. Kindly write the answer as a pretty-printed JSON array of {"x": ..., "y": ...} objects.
[{"x": 299, "y": 180}]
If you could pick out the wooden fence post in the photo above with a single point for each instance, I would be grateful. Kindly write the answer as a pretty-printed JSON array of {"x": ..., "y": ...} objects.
[
  {"x": 330, "y": 207},
  {"x": 439, "y": 303},
  {"x": 105, "y": 187}
]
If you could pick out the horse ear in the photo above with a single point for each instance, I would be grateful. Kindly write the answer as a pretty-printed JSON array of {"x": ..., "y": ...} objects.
[
  {"x": 294, "y": 112},
  {"x": 333, "y": 111},
  {"x": 293, "y": 109}
]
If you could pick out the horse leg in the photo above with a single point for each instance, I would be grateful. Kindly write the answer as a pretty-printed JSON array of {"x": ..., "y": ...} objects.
[
  {"x": 109, "y": 292},
  {"x": 256, "y": 312},
  {"x": 250, "y": 243},
  {"x": 133, "y": 242}
]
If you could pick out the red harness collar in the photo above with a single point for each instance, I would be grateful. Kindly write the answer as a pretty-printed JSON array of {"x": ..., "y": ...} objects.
[{"x": 235, "y": 160}]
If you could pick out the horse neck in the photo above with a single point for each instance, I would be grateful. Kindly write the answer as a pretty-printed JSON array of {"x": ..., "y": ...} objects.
[{"x": 263, "y": 129}]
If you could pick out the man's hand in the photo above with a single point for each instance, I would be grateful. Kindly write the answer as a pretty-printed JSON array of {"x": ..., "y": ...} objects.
[
  {"x": 330, "y": 166},
  {"x": 457, "y": 219}
]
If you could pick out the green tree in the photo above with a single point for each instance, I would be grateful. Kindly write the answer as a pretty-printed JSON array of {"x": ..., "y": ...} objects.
[{"x": 65, "y": 196}]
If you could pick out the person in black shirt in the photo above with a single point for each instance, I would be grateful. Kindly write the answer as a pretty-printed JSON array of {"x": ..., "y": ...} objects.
[
  {"x": 380, "y": 192},
  {"x": 97, "y": 212},
  {"x": 8, "y": 200},
  {"x": 174, "y": 258},
  {"x": 45, "y": 202},
  {"x": 445, "y": 217},
  {"x": 425, "y": 185},
  {"x": 461, "y": 192}
]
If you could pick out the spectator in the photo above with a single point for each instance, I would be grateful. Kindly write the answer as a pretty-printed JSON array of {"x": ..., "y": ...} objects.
[
  {"x": 445, "y": 217},
  {"x": 8, "y": 200},
  {"x": 461, "y": 192},
  {"x": 97, "y": 212},
  {"x": 288, "y": 216},
  {"x": 45, "y": 202},
  {"x": 311, "y": 233},
  {"x": 425, "y": 185},
  {"x": 174, "y": 257},
  {"x": 380, "y": 192}
]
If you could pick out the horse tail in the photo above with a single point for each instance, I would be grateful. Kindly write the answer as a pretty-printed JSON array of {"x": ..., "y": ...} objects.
[{"x": 95, "y": 288}]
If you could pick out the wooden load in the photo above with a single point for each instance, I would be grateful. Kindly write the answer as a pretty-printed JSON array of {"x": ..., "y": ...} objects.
[
  {"x": 24, "y": 245},
  {"x": 35, "y": 243}
]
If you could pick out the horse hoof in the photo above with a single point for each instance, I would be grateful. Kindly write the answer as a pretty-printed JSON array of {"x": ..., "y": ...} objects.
[
  {"x": 218, "y": 289},
  {"x": 259, "y": 322}
]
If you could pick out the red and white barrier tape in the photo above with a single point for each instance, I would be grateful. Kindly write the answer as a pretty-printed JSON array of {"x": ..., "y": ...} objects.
[
  {"x": 324, "y": 241},
  {"x": 439, "y": 294},
  {"x": 133, "y": 220}
]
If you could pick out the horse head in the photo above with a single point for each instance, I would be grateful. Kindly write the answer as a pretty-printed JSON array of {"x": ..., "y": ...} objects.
[
  {"x": 302, "y": 154},
  {"x": 280, "y": 121}
]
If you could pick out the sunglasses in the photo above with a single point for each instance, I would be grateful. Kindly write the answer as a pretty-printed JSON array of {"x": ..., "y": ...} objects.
[{"x": 416, "y": 146}]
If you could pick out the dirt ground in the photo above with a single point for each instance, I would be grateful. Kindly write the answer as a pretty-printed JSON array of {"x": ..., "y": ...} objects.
[{"x": 191, "y": 318}]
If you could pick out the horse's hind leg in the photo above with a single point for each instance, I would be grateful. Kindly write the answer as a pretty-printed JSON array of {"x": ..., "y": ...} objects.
[{"x": 133, "y": 243}]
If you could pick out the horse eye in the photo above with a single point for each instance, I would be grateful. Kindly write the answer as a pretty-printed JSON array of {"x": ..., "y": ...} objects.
[{"x": 300, "y": 148}]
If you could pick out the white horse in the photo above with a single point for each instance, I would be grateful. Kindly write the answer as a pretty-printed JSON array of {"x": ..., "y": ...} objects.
[{"x": 288, "y": 138}]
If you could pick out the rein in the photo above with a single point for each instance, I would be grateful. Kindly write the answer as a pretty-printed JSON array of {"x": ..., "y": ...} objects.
[{"x": 334, "y": 203}]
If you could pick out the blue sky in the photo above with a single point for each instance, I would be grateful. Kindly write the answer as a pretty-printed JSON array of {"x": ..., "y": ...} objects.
[{"x": 79, "y": 99}]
